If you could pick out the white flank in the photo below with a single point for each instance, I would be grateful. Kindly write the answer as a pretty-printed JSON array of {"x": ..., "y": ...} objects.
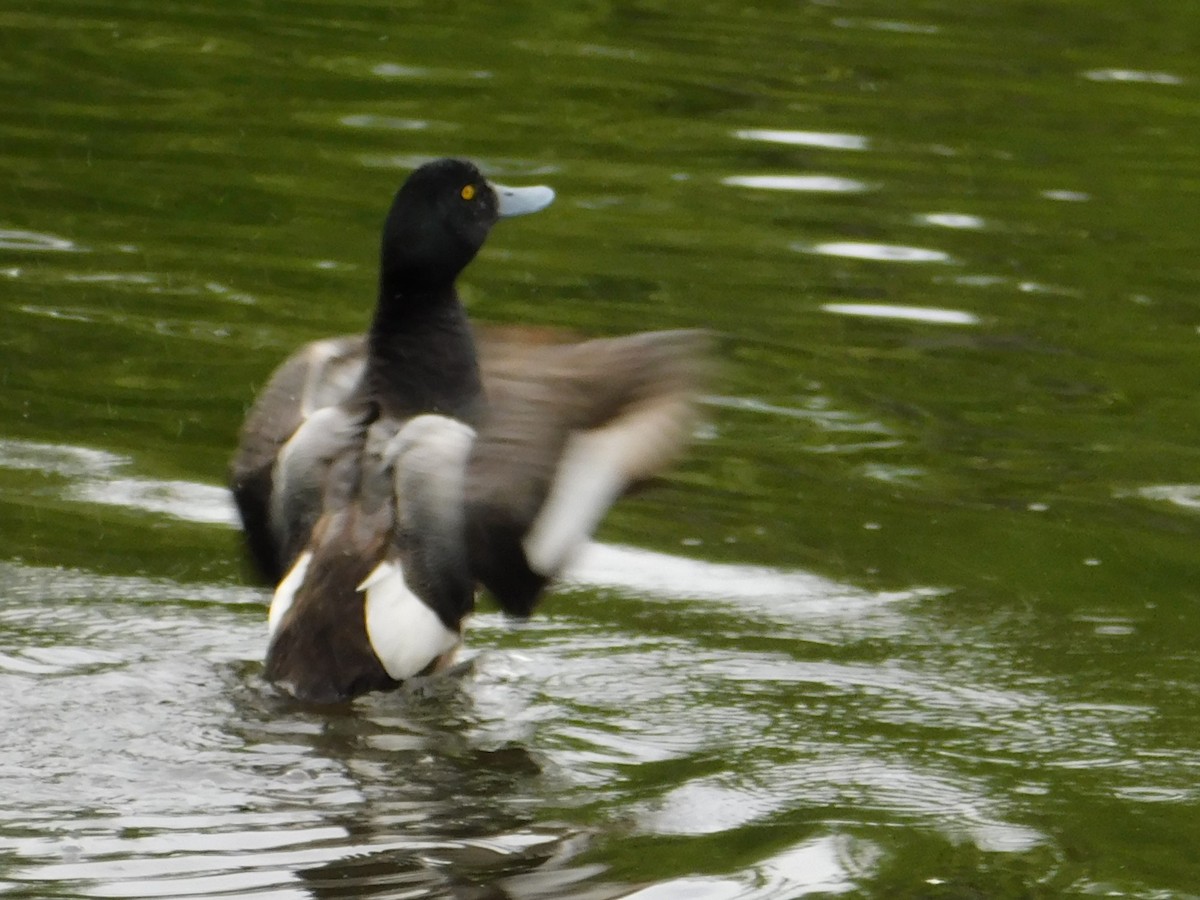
[
  {"x": 405, "y": 634},
  {"x": 286, "y": 592}
]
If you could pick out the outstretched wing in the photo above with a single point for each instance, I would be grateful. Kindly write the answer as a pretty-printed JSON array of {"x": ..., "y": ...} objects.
[
  {"x": 319, "y": 375},
  {"x": 568, "y": 429}
]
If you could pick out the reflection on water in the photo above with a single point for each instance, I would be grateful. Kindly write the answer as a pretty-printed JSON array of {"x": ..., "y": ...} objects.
[
  {"x": 1132, "y": 75},
  {"x": 95, "y": 477},
  {"x": 187, "y": 721},
  {"x": 831, "y": 184},
  {"x": 919, "y": 615},
  {"x": 877, "y": 252},
  {"x": 16, "y": 239},
  {"x": 953, "y": 220},
  {"x": 825, "y": 865},
  {"x": 183, "y": 499},
  {"x": 1185, "y": 495},
  {"x": 385, "y": 122},
  {"x": 912, "y": 313},
  {"x": 805, "y": 138},
  {"x": 886, "y": 25},
  {"x": 575, "y": 704},
  {"x": 1067, "y": 196}
]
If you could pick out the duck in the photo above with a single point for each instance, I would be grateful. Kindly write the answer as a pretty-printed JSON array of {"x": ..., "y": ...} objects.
[{"x": 384, "y": 480}]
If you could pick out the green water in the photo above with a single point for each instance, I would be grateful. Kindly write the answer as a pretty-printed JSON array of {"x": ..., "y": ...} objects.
[{"x": 916, "y": 617}]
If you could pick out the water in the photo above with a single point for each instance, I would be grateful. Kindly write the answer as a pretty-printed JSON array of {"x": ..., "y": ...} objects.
[{"x": 915, "y": 618}]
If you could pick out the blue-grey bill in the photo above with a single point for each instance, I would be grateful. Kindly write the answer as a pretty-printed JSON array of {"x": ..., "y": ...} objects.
[{"x": 517, "y": 201}]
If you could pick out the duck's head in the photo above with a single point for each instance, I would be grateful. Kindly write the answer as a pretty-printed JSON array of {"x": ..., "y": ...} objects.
[{"x": 440, "y": 218}]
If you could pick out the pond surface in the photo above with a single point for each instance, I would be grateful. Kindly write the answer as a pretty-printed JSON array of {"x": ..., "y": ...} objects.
[{"x": 918, "y": 615}]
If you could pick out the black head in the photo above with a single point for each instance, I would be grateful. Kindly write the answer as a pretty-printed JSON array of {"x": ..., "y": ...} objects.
[{"x": 440, "y": 218}]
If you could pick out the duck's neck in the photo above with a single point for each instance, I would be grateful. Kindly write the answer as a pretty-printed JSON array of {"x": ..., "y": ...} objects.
[{"x": 421, "y": 356}]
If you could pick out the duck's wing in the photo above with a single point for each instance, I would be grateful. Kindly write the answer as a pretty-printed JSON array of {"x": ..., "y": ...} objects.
[
  {"x": 316, "y": 470},
  {"x": 317, "y": 376},
  {"x": 568, "y": 429}
]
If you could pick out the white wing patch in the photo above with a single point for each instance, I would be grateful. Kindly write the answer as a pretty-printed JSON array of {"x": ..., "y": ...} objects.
[
  {"x": 585, "y": 485},
  {"x": 405, "y": 634},
  {"x": 595, "y": 468},
  {"x": 281, "y": 602}
]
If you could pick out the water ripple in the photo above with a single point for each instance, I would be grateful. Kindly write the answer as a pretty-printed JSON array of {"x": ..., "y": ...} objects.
[
  {"x": 185, "y": 500},
  {"x": 23, "y": 583},
  {"x": 818, "y": 413},
  {"x": 59, "y": 459},
  {"x": 830, "y": 864},
  {"x": 777, "y": 595},
  {"x": 96, "y": 480},
  {"x": 1186, "y": 496},
  {"x": 1136, "y": 76},
  {"x": 389, "y": 123},
  {"x": 826, "y": 139},
  {"x": 931, "y": 315},
  {"x": 831, "y": 184},
  {"x": 1066, "y": 196},
  {"x": 895, "y": 25},
  {"x": 17, "y": 239},
  {"x": 398, "y": 70},
  {"x": 875, "y": 252},
  {"x": 953, "y": 220}
]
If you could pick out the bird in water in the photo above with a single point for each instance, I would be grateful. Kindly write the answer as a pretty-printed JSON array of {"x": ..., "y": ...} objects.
[{"x": 383, "y": 478}]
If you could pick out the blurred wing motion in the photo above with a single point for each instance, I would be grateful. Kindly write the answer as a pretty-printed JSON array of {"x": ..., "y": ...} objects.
[
  {"x": 318, "y": 376},
  {"x": 568, "y": 429},
  {"x": 377, "y": 530}
]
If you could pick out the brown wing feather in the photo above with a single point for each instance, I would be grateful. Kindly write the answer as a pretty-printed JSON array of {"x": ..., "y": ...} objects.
[
  {"x": 638, "y": 388},
  {"x": 319, "y": 374}
]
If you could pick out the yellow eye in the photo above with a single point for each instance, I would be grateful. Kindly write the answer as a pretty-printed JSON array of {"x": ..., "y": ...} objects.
[{"x": 468, "y": 192}]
